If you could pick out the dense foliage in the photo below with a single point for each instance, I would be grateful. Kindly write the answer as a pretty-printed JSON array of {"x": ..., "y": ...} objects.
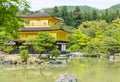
[
  {"x": 96, "y": 37},
  {"x": 10, "y": 17},
  {"x": 10, "y": 21},
  {"x": 55, "y": 53}
]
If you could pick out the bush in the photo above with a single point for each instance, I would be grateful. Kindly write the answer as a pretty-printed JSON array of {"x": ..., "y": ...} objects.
[
  {"x": 1, "y": 59},
  {"x": 24, "y": 55},
  {"x": 22, "y": 47},
  {"x": 9, "y": 49}
]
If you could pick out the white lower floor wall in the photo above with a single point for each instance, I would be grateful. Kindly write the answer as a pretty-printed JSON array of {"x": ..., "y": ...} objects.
[{"x": 62, "y": 46}]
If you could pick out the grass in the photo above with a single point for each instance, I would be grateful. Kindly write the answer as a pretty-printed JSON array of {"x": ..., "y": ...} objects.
[{"x": 85, "y": 69}]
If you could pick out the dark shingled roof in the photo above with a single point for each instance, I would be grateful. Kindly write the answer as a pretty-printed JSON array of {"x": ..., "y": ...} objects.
[
  {"x": 29, "y": 29},
  {"x": 37, "y": 15},
  {"x": 41, "y": 15}
]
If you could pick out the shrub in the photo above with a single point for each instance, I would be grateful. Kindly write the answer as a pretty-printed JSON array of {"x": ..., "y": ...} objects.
[
  {"x": 9, "y": 49},
  {"x": 55, "y": 53},
  {"x": 22, "y": 47},
  {"x": 24, "y": 55}
]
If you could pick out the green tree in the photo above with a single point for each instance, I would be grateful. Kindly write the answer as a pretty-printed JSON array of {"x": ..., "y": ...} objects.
[
  {"x": 65, "y": 15},
  {"x": 117, "y": 14},
  {"x": 69, "y": 20},
  {"x": 64, "y": 12},
  {"x": 44, "y": 43},
  {"x": 56, "y": 12},
  {"x": 10, "y": 21},
  {"x": 9, "y": 17},
  {"x": 78, "y": 16},
  {"x": 114, "y": 32},
  {"x": 104, "y": 37},
  {"x": 87, "y": 16},
  {"x": 94, "y": 15},
  {"x": 95, "y": 30},
  {"x": 2, "y": 40},
  {"x": 78, "y": 41}
]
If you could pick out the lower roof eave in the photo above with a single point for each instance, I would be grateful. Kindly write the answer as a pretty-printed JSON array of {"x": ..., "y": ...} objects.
[{"x": 59, "y": 41}]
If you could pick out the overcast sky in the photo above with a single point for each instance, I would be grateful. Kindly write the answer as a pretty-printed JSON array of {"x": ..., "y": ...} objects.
[{"x": 99, "y": 4}]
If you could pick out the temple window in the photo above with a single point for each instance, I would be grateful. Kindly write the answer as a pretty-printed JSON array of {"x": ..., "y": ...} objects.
[
  {"x": 44, "y": 23},
  {"x": 32, "y": 24}
]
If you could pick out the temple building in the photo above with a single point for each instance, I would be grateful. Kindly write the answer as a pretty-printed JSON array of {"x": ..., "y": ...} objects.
[{"x": 43, "y": 22}]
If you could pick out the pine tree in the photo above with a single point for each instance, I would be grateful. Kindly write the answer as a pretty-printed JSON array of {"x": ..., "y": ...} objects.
[
  {"x": 94, "y": 15},
  {"x": 64, "y": 12},
  {"x": 55, "y": 11},
  {"x": 78, "y": 16}
]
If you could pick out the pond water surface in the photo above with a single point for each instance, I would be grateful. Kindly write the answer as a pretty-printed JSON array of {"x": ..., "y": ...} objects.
[{"x": 84, "y": 69}]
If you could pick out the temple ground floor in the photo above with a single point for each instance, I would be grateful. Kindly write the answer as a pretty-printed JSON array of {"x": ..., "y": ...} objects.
[{"x": 29, "y": 47}]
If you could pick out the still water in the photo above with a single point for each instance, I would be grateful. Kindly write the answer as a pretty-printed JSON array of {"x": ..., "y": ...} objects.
[{"x": 84, "y": 69}]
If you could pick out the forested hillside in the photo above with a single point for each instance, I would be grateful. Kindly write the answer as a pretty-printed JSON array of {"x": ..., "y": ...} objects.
[
  {"x": 115, "y": 7},
  {"x": 71, "y": 8},
  {"x": 74, "y": 16}
]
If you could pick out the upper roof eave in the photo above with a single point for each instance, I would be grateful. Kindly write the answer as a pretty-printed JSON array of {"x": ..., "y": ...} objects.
[{"x": 41, "y": 15}]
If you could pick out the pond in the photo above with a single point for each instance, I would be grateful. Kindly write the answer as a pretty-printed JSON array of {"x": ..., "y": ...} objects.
[{"x": 84, "y": 69}]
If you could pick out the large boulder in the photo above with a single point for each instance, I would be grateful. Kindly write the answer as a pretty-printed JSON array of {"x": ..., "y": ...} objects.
[
  {"x": 32, "y": 60},
  {"x": 67, "y": 78}
]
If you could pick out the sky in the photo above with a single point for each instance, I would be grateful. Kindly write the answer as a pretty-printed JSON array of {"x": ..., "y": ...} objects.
[{"x": 99, "y": 4}]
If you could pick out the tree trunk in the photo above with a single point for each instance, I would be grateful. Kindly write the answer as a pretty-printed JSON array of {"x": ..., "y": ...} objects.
[{"x": 39, "y": 55}]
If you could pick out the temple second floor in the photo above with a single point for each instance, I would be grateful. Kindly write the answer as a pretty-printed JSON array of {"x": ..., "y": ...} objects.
[{"x": 31, "y": 33}]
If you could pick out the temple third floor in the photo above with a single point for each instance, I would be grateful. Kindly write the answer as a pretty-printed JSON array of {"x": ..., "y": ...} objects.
[{"x": 41, "y": 19}]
